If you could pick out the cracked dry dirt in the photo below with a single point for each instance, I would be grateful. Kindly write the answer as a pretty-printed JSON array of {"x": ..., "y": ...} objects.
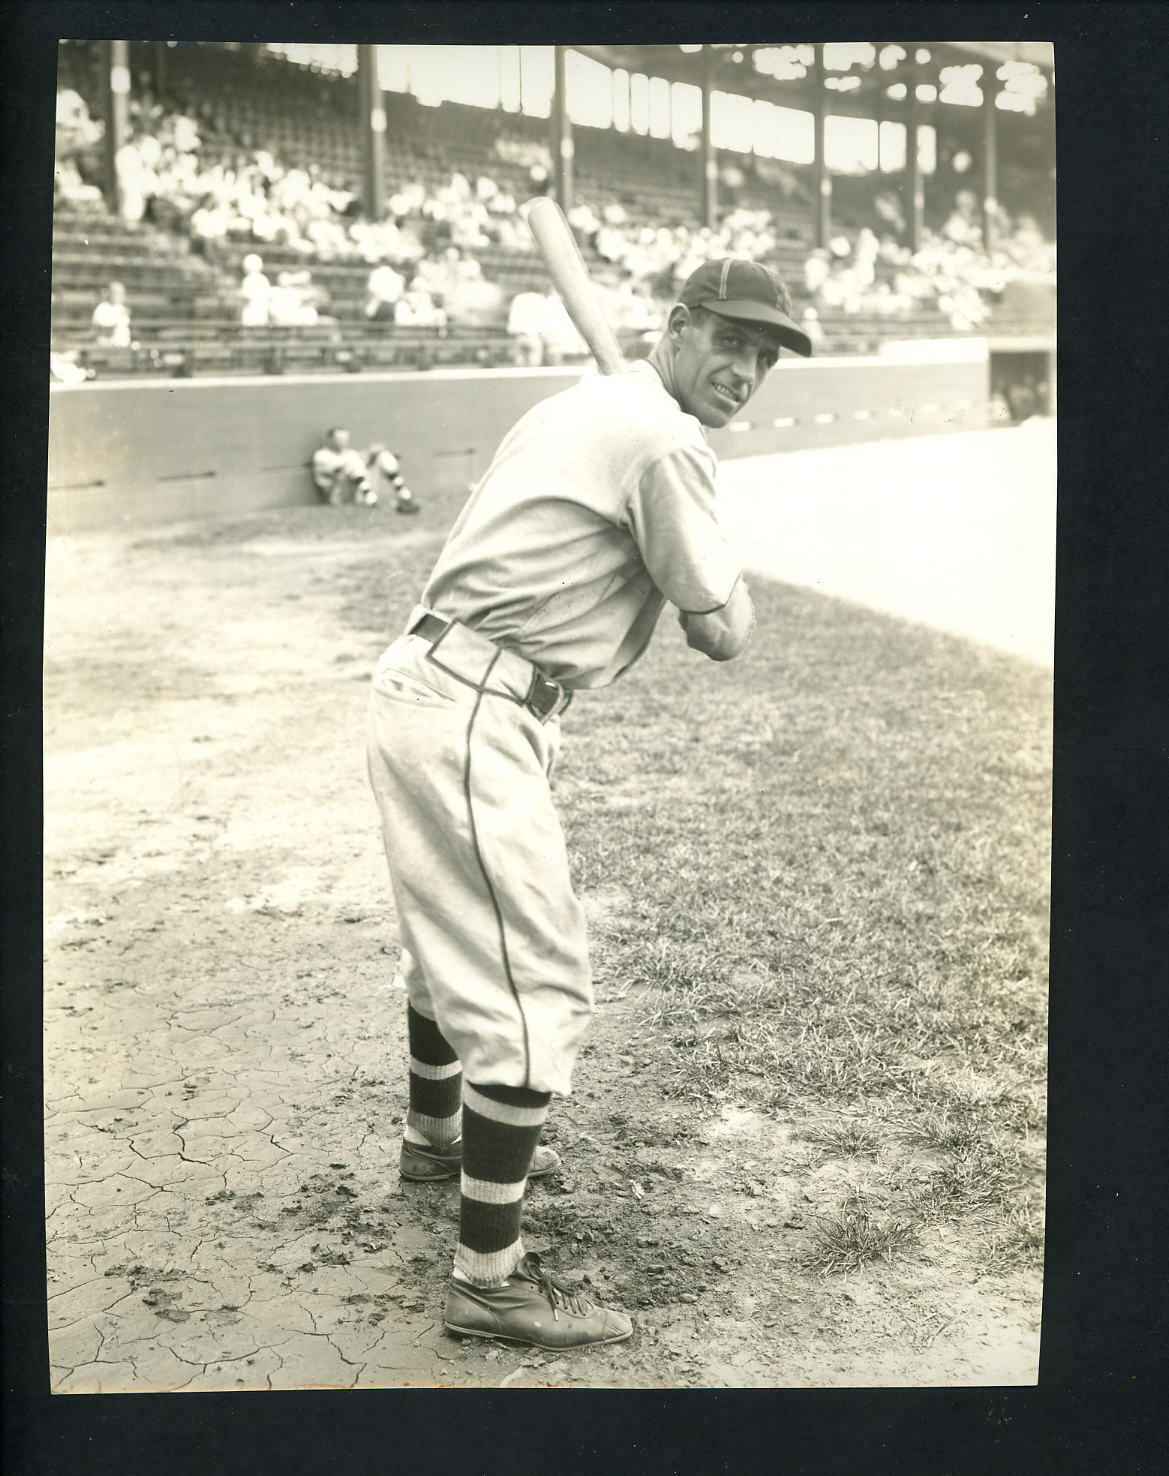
[{"x": 224, "y": 1065}]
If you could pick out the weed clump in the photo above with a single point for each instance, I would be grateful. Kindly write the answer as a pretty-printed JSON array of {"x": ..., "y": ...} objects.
[{"x": 853, "y": 1237}]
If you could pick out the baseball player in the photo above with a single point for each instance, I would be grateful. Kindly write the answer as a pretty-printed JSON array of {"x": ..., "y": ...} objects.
[
  {"x": 597, "y": 510},
  {"x": 388, "y": 464},
  {"x": 339, "y": 472}
]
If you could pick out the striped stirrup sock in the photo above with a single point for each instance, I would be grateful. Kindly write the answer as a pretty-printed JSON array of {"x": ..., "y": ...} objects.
[
  {"x": 501, "y": 1130},
  {"x": 436, "y": 1082}
]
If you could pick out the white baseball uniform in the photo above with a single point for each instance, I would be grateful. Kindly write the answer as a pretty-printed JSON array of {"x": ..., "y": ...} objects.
[{"x": 598, "y": 507}]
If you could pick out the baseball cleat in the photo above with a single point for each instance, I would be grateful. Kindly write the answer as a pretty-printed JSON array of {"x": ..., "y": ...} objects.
[
  {"x": 532, "y": 1307},
  {"x": 419, "y": 1164}
]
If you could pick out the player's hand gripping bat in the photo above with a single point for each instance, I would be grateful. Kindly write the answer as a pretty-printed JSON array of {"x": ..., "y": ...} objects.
[{"x": 570, "y": 277}]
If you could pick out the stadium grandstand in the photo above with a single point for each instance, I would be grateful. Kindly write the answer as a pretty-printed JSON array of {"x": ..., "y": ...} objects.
[{"x": 259, "y": 208}]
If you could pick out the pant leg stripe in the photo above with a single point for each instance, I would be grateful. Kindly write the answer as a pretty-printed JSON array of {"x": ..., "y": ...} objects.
[{"x": 486, "y": 879}]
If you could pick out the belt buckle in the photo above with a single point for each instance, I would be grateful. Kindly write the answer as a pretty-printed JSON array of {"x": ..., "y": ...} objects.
[{"x": 545, "y": 697}]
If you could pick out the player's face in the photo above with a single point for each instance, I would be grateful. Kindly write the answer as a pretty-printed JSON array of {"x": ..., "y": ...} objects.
[{"x": 719, "y": 365}]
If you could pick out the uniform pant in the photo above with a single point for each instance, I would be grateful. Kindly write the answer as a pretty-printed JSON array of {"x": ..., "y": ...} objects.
[{"x": 494, "y": 947}]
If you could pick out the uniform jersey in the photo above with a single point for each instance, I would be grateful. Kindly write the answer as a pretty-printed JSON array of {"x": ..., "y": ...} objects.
[
  {"x": 327, "y": 463},
  {"x": 598, "y": 507}
]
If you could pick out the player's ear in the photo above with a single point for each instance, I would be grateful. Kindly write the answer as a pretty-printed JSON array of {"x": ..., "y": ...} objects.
[{"x": 678, "y": 321}]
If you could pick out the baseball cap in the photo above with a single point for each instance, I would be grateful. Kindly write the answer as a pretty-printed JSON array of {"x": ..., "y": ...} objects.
[{"x": 737, "y": 288}]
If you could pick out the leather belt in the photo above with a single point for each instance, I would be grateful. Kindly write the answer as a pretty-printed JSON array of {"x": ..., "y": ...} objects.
[{"x": 545, "y": 698}]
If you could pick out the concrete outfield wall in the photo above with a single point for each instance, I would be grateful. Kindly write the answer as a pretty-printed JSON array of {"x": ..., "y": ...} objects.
[{"x": 159, "y": 451}]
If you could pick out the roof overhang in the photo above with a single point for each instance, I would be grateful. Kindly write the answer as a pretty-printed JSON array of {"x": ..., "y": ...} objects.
[
  {"x": 1039, "y": 53},
  {"x": 731, "y": 67}
]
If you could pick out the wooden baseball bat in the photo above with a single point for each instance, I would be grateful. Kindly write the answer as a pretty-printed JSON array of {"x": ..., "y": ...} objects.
[{"x": 570, "y": 277}]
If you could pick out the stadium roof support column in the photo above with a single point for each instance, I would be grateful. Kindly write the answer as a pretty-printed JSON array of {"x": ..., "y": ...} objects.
[
  {"x": 990, "y": 168},
  {"x": 115, "y": 90},
  {"x": 373, "y": 133},
  {"x": 821, "y": 177},
  {"x": 562, "y": 147},
  {"x": 706, "y": 153},
  {"x": 915, "y": 192},
  {"x": 158, "y": 59}
]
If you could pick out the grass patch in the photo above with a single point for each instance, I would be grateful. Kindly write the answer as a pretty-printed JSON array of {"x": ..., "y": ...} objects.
[
  {"x": 844, "y": 1140},
  {"x": 1019, "y": 1243},
  {"x": 834, "y": 852},
  {"x": 982, "y": 1179},
  {"x": 856, "y": 1236}
]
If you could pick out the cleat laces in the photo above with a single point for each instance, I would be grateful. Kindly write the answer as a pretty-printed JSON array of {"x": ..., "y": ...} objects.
[{"x": 557, "y": 1293}]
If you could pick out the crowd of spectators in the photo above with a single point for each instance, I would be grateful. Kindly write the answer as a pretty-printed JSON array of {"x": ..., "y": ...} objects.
[
  {"x": 424, "y": 267},
  {"x": 950, "y": 273}
]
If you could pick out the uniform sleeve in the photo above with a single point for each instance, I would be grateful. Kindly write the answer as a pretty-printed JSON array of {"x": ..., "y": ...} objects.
[
  {"x": 323, "y": 465},
  {"x": 673, "y": 517}
]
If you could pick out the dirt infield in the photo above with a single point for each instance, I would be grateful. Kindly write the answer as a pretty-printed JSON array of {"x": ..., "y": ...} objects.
[{"x": 225, "y": 1048}]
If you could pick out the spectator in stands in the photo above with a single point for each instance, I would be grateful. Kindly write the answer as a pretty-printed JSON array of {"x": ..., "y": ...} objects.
[
  {"x": 810, "y": 323},
  {"x": 407, "y": 200},
  {"x": 610, "y": 243},
  {"x": 416, "y": 308},
  {"x": 254, "y": 291},
  {"x": 111, "y": 318},
  {"x": 209, "y": 221},
  {"x": 865, "y": 251},
  {"x": 963, "y": 226},
  {"x": 469, "y": 226},
  {"x": 75, "y": 129},
  {"x": 584, "y": 221},
  {"x": 817, "y": 269},
  {"x": 383, "y": 290},
  {"x": 381, "y": 240},
  {"x": 340, "y": 473},
  {"x": 146, "y": 112},
  {"x": 136, "y": 178},
  {"x": 525, "y": 322},
  {"x": 507, "y": 227},
  {"x": 64, "y": 368},
  {"x": 501, "y": 203},
  {"x": 283, "y": 301},
  {"x": 184, "y": 133},
  {"x": 295, "y": 301},
  {"x": 71, "y": 189},
  {"x": 561, "y": 339},
  {"x": 474, "y": 301}
]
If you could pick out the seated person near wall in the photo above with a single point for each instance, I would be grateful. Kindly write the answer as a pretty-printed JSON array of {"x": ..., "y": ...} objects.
[
  {"x": 382, "y": 460},
  {"x": 340, "y": 473}
]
